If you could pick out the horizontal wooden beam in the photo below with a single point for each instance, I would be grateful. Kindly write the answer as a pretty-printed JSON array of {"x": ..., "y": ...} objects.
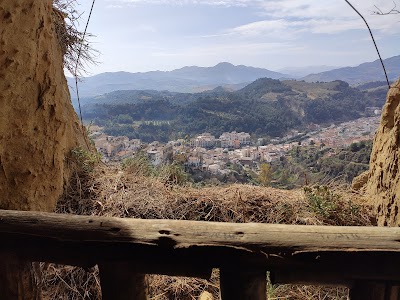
[{"x": 192, "y": 248}]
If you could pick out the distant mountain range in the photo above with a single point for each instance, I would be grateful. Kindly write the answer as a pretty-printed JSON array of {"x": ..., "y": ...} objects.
[
  {"x": 229, "y": 77},
  {"x": 187, "y": 79},
  {"x": 366, "y": 72},
  {"x": 297, "y": 72}
]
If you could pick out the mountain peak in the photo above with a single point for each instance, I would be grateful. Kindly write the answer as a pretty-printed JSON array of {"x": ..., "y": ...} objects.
[{"x": 224, "y": 65}]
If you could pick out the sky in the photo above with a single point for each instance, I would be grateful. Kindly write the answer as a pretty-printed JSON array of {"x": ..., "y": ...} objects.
[{"x": 149, "y": 35}]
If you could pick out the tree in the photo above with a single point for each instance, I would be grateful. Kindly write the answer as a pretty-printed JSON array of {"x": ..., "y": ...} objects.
[{"x": 265, "y": 175}]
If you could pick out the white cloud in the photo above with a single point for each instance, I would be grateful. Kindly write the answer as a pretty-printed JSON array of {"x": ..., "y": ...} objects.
[
  {"x": 331, "y": 16},
  {"x": 327, "y": 16},
  {"x": 268, "y": 33},
  {"x": 286, "y": 19},
  {"x": 227, "y": 3},
  {"x": 291, "y": 16}
]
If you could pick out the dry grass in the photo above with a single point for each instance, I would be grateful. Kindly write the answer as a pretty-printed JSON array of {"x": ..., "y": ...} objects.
[
  {"x": 75, "y": 46},
  {"x": 111, "y": 191},
  {"x": 72, "y": 283}
]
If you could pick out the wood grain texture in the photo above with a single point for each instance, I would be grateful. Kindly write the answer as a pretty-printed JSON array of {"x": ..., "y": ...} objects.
[{"x": 342, "y": 254}]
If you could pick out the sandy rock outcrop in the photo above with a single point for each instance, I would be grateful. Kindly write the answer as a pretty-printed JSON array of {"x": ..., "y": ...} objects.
[
  {"x": 360, "y": 181},
  {"x": 38, "y": 126},
  {"x": 383, "y": 185}
]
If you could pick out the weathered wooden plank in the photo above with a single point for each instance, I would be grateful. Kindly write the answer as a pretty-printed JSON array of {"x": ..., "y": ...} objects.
[
  {"x": 237, "y": 283},
  {"x": 180, "y": 234},
  {"x": 190, "y": 245},
  {"x": 120, "y": 281}
]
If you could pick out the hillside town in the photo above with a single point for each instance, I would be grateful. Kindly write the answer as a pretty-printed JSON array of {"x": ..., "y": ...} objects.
[{"x": 209, "y": 153}]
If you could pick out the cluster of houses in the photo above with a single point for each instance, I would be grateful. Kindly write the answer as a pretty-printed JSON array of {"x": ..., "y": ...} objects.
[
  {"x": 344, "y": 134},
  {"x": 207, "y": 153},
  {"x": 226, "y": 140}
]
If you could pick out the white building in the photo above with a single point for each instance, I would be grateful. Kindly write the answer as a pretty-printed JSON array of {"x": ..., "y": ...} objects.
[
  {"x": 155, "y": 157},
  {"x": 205, "y": 140},
  {"x": 234, "y": 139}
]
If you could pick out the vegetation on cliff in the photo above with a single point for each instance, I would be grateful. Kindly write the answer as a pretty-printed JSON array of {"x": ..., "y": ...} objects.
[
  {"x": 315, "y": 165},
  {"x": 265, "y": 107}
]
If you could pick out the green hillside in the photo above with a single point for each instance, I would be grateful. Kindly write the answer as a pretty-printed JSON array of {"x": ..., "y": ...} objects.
[{"x": 266, "y": 107}]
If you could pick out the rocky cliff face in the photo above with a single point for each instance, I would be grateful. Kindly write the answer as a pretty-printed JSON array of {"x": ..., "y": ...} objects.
[
  {"x": 38, "y": 126},
  {"x": 383, "y": 180}
]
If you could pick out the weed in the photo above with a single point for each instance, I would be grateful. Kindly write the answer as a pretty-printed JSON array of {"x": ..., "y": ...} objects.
[
  {"x": 85, "y": 160},
  {"x": 173, "y": 174},
  {"x": 334, "y": 207},
  {"x": 169, "y": 174},
  {"x": 322, "y": 201},
  {"x": 139, "y": 164}
]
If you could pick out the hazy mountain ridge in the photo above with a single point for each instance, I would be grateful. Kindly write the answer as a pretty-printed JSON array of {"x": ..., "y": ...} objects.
[
  {"x": 186, "y": 79},
  {"x": 194, "y": 79},
  {"x": 366, "y": 72},
  {"x": 298, "y": 72}
]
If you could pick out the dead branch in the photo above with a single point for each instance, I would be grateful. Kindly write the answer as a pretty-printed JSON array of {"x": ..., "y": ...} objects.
[
  {"x": 373, "y": 40},
  {"x": 393, "y": 11}
]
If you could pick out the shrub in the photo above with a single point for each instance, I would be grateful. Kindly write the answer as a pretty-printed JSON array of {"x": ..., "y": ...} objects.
[
  {"x": 173, "y": 174},
  {"x": 85, "y": 160},
  {"x": 139, "y": 164},
  {"x": 332, "y": 208},
  {"x": 322, "y": 201}
]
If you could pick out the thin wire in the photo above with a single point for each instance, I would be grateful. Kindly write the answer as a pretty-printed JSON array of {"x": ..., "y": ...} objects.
[
  {"x": 77, "y": 62},
  {"x": 373, "y": 39}
]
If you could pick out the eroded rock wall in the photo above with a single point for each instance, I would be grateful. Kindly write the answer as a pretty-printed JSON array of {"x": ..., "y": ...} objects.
[
  {"x": 383, "y": 185},
  {"x": 38, "y": 126}
]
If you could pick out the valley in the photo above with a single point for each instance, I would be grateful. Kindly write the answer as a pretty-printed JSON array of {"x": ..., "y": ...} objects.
[
  {"x": 266, "y": 108},
  {"x": 305, "y": 132}
]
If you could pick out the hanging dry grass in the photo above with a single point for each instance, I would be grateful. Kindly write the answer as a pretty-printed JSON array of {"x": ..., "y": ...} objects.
[
  {"x": 78, "y": 53},
  {"x": 112, "y": 191}
]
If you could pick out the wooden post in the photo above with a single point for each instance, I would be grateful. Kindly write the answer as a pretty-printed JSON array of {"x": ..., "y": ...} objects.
[
  {"x": 17, "y": 280},
  {"x": 368, "y": 291},
  {"x": 394, "y": 293},
  {"x": 374, "y": 291},
  {"x": 120, "y": 282},
  {"x": 243, "y": 284}
]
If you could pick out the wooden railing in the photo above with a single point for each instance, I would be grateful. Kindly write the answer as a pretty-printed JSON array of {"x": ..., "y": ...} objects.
[{"x": 366, "y": 259}]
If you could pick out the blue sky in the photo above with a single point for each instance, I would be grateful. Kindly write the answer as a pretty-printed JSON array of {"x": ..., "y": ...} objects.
[{"x": 145, "y": 35}]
